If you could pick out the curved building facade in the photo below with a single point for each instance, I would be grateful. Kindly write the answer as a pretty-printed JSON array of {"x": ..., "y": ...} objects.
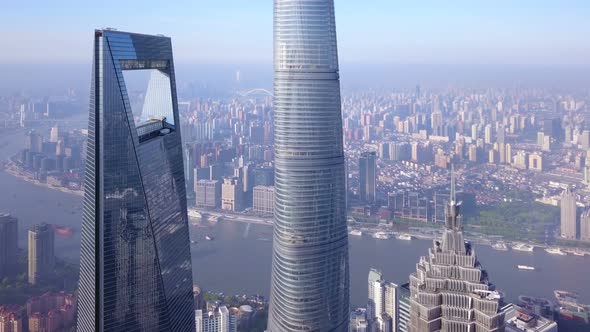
[{"x": 310, "y": 276}]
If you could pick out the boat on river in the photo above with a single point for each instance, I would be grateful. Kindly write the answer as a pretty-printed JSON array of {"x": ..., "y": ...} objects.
[
  {"x": 381, "y": 236},
  {"x": 523, "y": 247},
  {"x": 556, "y": 251},
  {"x": 500, "y": 246}
]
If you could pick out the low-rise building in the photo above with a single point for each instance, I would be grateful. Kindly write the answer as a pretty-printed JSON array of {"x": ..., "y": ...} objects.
[{"x": 518, "y": 319}]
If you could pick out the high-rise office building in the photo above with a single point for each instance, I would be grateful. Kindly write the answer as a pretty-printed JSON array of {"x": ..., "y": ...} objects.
[
  {"x": 34, "y": 142},
  {"x": 472, "y": 153},
  {"x": 384, "y": 150},
  {"x": 390, "y": 305},
  {"x": 218, "y": 320},
  {"x": 232, "y": 194},
  {"x": 375, "y": 276},
  {"x": 488, "y": 134},
  {"x": 382, "y": 312},
  {"x": 436, "y": 121},
  {"x": 367, "y": 176},
  {"x": 264, "y": 200},
  {"x": 358, "y": 321},
  {"x": 450, "y": 291},
  {"x": 399, "y": 151},
  {"x": 536, "y": 162},
  {"x": 501, "y": 134},
  {"x": 8, "y": 245},
  {"x": 135, "y": 264},
  {"x": 440, "y": 202},
  {"x": 568, "y": 215},
  {"x": 41, "y": 253},
  {"x": 403, "y": 304},
  {"x": 310, "y": 274},
  {"x": 585, "y": 226},
  {"x": 189, "y": 172},
  {"x": 208, "y": 194},
  {"x": 54, "y": 134}
]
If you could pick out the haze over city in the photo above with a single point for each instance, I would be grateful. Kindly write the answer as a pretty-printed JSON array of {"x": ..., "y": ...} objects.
[{"x": 295, "y": 165}]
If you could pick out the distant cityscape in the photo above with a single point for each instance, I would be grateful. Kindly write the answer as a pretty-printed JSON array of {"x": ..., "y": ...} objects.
[
  {"x": 399, "y": 148},
  {"x": 395, "y": 187},
  {"x": 507, "y": 150}
]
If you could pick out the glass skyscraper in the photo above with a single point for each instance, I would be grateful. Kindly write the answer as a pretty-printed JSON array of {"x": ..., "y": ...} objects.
[
  {"x": 135, "y": 269},
  {"x": 367, "y": 176},
  {"x": 310, "y": 274}
]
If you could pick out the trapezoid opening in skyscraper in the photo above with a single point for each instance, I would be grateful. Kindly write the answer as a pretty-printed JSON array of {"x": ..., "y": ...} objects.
[
  {"x": 310, "y": 273},
  {"x": 135, "y": 265}
]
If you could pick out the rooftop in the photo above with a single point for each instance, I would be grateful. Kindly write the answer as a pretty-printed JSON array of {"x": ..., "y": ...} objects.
[{"x": 521, "y": 320}]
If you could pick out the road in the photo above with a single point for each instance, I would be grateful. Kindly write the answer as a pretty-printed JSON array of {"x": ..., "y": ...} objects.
[{"x": 231, "y": 216}]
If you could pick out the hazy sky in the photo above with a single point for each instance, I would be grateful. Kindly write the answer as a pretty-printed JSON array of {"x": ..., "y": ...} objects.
[{"x": 369, "y": 31}]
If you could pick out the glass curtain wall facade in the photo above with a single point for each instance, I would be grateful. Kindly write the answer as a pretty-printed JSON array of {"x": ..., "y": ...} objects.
[
  {"x": 135, "y": 269},
  {"x": 310, "y": 274}
]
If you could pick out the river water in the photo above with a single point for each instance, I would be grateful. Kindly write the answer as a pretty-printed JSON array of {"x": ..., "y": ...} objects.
[{"x": 238, "y": 259}]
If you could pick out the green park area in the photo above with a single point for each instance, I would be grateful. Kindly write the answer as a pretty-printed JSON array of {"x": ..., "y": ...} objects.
[{"x": 514, "y": 220}]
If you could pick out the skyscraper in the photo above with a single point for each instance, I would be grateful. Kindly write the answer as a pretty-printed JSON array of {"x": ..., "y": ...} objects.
[
  {"x": 310, "y": 276},
  {"x": 375, "y": 276},
  {"x": 54, "y": 135},
  {"x": 367, "y": 176},
  {"x": 568, "y": 214},
  {"x": 208, "y": 194},
  {"x": 450, "y": 291},
  {"x": 263, "y": 200},
  {"x": 403, "y": 308},
  {"x": 232, "y": 194},
  {"x": 135, "y": 264},
  {"x": 8, "y": 245},
  {"x": 585, "y": 226},
  {"x": 41, "y": 252},
  {"x": 218, "y": 320},
  {"x": 382, "y": 312}
]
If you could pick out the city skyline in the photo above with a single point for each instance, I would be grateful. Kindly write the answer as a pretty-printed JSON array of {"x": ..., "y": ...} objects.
[
  {"x": 466, "y": 33},
  {"x": 293, "y": 177}
]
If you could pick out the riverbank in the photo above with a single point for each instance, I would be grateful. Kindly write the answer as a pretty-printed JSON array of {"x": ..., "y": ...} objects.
[
  {"x": 13, "y": 169},
  {"x": 200, "y": 217}
]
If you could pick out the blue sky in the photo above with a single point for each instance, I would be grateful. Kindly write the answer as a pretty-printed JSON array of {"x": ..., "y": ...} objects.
[{"x": 369, "y": 31}]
